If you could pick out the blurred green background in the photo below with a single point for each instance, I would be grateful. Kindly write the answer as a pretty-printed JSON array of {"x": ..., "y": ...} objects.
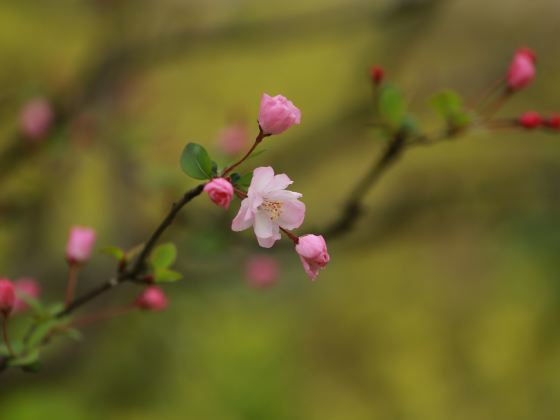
[{"x": 443, "y": 303}]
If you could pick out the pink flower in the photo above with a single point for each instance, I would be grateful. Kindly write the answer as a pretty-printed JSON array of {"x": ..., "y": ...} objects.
[
  {"x": 531, "y": 120},
  {"x": 554, "y": 122},
  {"x": 25, "y": 287},
  {"x": 312, "y": 250},
  {"x": 269, "y": 206},
  {"x": 262, "y": 271},
  {"x": 220, "y": 192},
  {"x": 233, "y": 139},
  {"x": 36, "y": 118},
  {"x": 7, "y": 296},
  {"x": 152, "y": 299},
  {"x": 522, "y": 69},
  {"x": 277, "y": 114},
  {"x": 80, "y": 244}
]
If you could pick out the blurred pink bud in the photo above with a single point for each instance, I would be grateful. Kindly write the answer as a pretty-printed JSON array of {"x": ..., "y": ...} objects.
[
  {"x": 312, "y": 250},
  {"x": 220, "y": 192},
  {"x": 277, "y": 114},
  {"x": 233, "y": 139},
  {"x": 152, "y": 299},
  {"x": 80, "y": 244},
  {"x": 25, "y": 287},
  {"x": 376, "y": 74},
  {"x": 7, "y": 296},
  {"x": 530, "y": 120},
  {"x": 522, "y": 69},
  {"x": 553, "y": 122},
  {"x": 36, "y": 118},
  {"x": 262, "y": 271}
]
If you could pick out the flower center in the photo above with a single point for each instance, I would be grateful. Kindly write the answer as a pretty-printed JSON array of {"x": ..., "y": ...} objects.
[{"x": 273, "y": 208}]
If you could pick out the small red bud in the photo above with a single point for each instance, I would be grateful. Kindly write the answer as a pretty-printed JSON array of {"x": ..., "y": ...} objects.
[
  {"x": 7, "y": 296},
  {"x": 553, "y": 122},
  {"x": 152, "y": 299},
  {"x": 530, "y": 120},
  {"x": 377, "y": 74}
]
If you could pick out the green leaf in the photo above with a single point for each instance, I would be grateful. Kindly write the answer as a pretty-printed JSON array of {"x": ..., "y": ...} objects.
[
  {"x": 196, "y": 162},
  {"x": 42, "y": 330},
  {"x": 163, "y": 256},
  {"x": 32, "y": 302},
  {"x": 113, "y": 251},
  {"x": 165, "y": 275},
  {"x": 235, "y": 177},
  {"x": 215, "y": 169},
  {"x": 28, "y": 358},
  {"x": 244, "y": 181},
  {"x": 392, "y": 108},
  {"x": 450, "y": 106}
]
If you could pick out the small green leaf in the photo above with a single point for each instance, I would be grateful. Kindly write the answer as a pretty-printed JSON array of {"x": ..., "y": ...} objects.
[
  {"x": 42, "y": 330},
  {"x": 196, "y": 162},
  {"x": 215, "y": 169},
  {"x": 113, "y": 251},
  {"x": 450, "y": 106},
  {"x": 165, "y": 275},
  {"x": 163, "y": 256},
  {"x": 26, "y": 359},
  {"x": 235, "y": 177},
  {"x": 391, "y": 105},
  {"x": 244, "y": 181}
]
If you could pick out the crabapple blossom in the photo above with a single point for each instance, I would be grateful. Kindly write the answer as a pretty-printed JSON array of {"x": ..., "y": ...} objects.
[
  {"x": 312, "y": 250},
  {"x": 152, "y": 299},
  {"x": 7, "y": 296},
  {"x": 36, "y": 118},
  {"x": 277, "y": 114},
  {"x": 522, "y": 69},
  {"x": 262, "y": 271},
  {"x": 530, "y": 120},
  {"x": 269, "y": 207},
  {"x": 80, "y": 244},
  {"x": 25, "y": 287},
  {"x": 220, "y": 192}
]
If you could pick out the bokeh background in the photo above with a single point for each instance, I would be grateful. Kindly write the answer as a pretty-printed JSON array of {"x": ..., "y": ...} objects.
[{"x": 442, "y": 303}]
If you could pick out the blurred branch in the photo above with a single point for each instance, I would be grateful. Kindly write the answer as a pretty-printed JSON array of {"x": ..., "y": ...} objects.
[{"x": 135, "y": 274}]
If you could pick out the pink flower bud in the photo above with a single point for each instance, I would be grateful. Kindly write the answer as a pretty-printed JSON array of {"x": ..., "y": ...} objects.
[
  {"x": 36, "y": 118},
  {"x": 80, "y": 244},
  {"x": 220, "y": 192},
  {"x": 522, "y": 69},
  {"x": 262, "y": 271},
  {"x": 7, "y": 296},
  {"x": 152, "y": 299},
  {"x": 312, "y": 250},
  {"x": 553, "y": 122},
  {"x": 376, "y": 74},
  {"x": 277, "y": 114},
  {"x": 25, "y": 287},
  {"x": 530, "y": 120},
  {"x": 233, "y": 139}
]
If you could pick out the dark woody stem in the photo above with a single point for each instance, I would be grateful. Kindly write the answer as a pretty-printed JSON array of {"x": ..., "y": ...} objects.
[
  {"x": 258, "y": 139},
  {"x": 73, "y": 268},
  {"x": 135, "y": 274}
]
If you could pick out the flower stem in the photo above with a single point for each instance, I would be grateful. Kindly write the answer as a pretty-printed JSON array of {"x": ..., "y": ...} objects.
[
  {"x": 290, "y": 235},
  {"x": 258, "y": 139},
  {"x": 72, "y": 280},
  {"x": 103, "y": 314},
  {"x": 5, "y": 334}
]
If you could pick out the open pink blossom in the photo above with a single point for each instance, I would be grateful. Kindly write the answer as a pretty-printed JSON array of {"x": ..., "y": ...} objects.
[
  {"x": 152, "y": 299},
  {"x": 522, "y": 69},
  {"x": 7, "y": 296},
  {"x": 269, "y": 207},
  {"x": 80, "y": 244},
  {"x": 262, "y": 271},
  {"x": 220, "y": 192},
  {"x": 277, "y": 114},
  {"x": 312, "y": 250},
  {"x": 26, "y": 287}
]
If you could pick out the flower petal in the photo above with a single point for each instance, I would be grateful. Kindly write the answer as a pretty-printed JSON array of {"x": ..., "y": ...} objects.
[
  {"x": 292, "y": 214},
  {"x": 244, "y": 218}
]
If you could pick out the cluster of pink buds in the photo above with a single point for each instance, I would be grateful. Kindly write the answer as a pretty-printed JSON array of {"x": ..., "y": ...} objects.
[
  {"x": 522, "y": 69},
  {"x": 268, "y": 206},
  {"x": 533, "y": 120}
]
